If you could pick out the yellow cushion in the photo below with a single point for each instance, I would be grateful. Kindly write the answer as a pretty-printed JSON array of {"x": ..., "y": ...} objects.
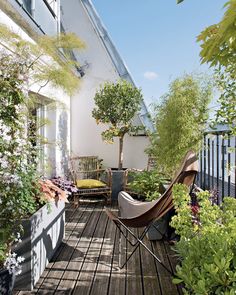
[{"x": 89, "y": 183}]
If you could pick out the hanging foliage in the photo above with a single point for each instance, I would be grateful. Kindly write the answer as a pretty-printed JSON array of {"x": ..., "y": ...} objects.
[{"x": 51, "y": 59}]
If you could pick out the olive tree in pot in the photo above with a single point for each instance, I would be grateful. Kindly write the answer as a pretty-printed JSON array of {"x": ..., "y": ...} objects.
[{"x": 116, "y": 104}]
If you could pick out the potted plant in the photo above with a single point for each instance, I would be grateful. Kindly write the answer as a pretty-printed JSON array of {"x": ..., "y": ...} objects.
[
  {"x": 21, "y": 191},
  {"x": 20, "y": 188},
  {"x": 147, "y": 185},
  {"x": 66, "y": 185},
  {"x": 116, "y": 104},
  {"x": 18, "y": 177}
]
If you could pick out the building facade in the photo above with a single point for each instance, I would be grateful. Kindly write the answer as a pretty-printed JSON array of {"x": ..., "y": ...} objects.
[
  {"x": 71, "y": 128},
  {"x": 100, "y": 62}
]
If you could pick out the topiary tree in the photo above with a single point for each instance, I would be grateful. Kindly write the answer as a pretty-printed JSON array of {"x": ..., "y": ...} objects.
[
  {"x": 180, "y": 120},
  {"x": 116, "y": 105}
]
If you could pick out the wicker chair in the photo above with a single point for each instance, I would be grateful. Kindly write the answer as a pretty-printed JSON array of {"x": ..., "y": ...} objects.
[{"x": 89, "y": 167}]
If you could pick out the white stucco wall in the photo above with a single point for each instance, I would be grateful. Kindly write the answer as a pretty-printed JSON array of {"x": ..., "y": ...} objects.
[
  {"x": 85, "y": 133},
  {"x": 58, "y": 130}
]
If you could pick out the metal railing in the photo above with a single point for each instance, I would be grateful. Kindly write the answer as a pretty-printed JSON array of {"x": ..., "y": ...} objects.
[
  {"x": 218, "y": 163},
  {"x": 41, "y": 14}
]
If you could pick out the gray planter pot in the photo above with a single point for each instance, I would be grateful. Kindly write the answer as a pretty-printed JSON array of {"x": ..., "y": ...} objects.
[
  {"x": 156, "y": 234},
  {"x": 117, "y": 183},
  {"x": 43, "y": 233},
  {"x": 6, "y": 282}
]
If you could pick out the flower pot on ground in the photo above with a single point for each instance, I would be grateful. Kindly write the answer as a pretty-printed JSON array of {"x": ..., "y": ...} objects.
[
  {"x": 149, "y": 184},
  {"x": 117, "y": 183}
]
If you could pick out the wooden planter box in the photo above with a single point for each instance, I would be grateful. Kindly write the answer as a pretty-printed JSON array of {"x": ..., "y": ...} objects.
[{"x": 43, "y": 233}]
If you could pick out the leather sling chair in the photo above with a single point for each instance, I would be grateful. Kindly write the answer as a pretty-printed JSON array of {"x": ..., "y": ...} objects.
[{"x": 137, "y": 214}]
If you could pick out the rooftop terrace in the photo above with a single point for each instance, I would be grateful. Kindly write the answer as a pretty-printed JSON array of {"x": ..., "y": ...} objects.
[{"x": 87, "y": 260}]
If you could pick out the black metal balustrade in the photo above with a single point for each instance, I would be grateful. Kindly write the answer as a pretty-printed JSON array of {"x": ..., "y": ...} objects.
[{"x": 218, "y": 163}]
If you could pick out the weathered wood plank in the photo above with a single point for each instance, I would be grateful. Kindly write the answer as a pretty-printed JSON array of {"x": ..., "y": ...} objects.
[
  {"x": 102, "y": 273},
  {"x": 134, "y": 273},
  {"x": 150, "y": 278},
  {"x": 77, "y": 259},
  {"x": 118, "y": 276},
  {"x": 87, "y": 261},
  {"x": 173, "y": 261},
  {"x": 167, "y": 287},
  {"x": 87, "y": 273}
]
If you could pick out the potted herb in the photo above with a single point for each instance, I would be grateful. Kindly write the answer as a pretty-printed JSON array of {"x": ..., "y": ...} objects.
[{"x": 116, "y": 105}]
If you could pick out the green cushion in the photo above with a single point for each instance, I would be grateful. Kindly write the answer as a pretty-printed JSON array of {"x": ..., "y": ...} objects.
[{"x": 89, "y": 183}]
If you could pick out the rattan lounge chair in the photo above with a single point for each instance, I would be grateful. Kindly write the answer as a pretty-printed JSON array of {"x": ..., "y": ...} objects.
[
  {"x": 89, "y": 168},
  {"x": 136, "y": 214}
]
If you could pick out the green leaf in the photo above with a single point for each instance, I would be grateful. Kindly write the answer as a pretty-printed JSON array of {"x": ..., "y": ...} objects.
[{"x": 177, "y": 281}]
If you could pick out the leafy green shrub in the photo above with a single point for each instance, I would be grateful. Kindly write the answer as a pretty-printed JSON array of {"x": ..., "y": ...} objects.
[
  {"x": 207, "y": 245},
  {"x": 147, "y": 184},
  {"x": 180, "y": 120}
]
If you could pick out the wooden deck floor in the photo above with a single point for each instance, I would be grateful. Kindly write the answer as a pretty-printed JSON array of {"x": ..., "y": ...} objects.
[{"x": 87, "y": 261}]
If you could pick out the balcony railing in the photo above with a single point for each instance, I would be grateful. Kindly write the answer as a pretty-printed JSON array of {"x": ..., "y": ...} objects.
[
  {"x": 218, "y": 163},
  {"x": 42, "y": 14}
]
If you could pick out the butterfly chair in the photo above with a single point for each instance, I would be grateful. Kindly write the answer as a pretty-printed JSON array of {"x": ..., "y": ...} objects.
[{"x": 136, "y": 214}]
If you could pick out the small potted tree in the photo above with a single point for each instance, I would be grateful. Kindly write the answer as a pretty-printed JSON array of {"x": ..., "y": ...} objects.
[{"x": 116, "y": 104}]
